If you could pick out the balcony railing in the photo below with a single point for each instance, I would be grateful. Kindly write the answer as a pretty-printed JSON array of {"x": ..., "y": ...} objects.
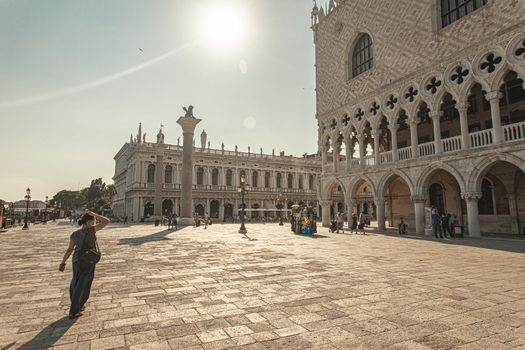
[
  {"x": 481, "y": 138},
  {"x": 404, "y": 153},
  {"x": 426, "y": 149},
  {"x": 514, "y": 132},
  {"x": 511, "y": 133},
  {"x": 386, "y": 157},
  {"x": 451, "y": 144}
]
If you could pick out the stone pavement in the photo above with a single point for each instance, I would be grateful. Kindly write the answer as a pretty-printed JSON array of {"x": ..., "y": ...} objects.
[{"x": 213, "y": 289}]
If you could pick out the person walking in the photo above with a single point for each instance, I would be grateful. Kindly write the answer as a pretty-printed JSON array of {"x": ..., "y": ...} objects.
[
  {"x": 174, "y": 221},
  {"x": 169, "y": 221},
  {"x": 362, "y": 222},
  {"x": 340, "y": 223},
  {"x": 402, "y": 227},
  {"x": 81, "y": 243},
  {"x": 444, "y": 226},
  {"x": 436, "y": 223},
  {"x": 206, "y": 218},
  {"x": 353, "y": 227}
]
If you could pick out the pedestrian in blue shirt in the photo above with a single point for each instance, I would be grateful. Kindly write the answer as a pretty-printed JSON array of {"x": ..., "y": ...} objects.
[{"x": 436, "y": 223}]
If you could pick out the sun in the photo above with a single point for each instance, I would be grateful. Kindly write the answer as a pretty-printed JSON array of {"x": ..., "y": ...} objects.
[{"x": 225, "y": 26}]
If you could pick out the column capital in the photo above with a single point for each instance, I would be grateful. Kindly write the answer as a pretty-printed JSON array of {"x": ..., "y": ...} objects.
[
  {"x": 393, "y": 127},
  {"x": 493, "y": 96},
  {"x": 188, "y": 124},
  {"x": 379, "y": 201},
  {"x": 418, "y": 198},
  {"x": 325, "y": 203},
  {"x": 462, "y": 108},
  {"x": 436, "y": 115},
  {"x": 471, "y": 196}
]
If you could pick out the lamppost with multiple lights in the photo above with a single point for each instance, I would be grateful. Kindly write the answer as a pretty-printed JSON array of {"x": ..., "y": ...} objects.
[
  {"x": 45, "y": 213},
  {"x": 28, "y": 200},
  {"x": 243, "y": 188},
  {"x": 281, "y": 199}
]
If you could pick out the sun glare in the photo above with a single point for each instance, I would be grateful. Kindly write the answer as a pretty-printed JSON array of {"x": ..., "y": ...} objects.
[{"x": 225, "y": 27}]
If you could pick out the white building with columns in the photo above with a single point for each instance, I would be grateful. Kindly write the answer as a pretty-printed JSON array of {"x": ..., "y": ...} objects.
[
  {"x": 421, "y": 103},
  {"x": 143, "y": 169}
]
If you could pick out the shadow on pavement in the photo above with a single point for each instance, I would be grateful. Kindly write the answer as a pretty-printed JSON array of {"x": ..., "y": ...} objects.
[
  {"x": 154, "y": 237},
  {"x": 49, "y": 335},
  {"x": 513, "y": 246}
]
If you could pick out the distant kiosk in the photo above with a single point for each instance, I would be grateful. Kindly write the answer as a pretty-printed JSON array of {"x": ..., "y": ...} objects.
[{"x": 188, "y": 124}]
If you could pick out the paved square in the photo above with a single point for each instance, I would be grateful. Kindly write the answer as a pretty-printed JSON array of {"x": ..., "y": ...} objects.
[{"x": 213, "y": 289}]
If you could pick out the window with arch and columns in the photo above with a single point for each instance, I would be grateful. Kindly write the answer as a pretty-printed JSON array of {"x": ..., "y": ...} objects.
[
  {"x": 361, "y": 56},
  {"x": 151, "y": 173},
  {"x": 200, "y": 176},
  {"x": 168, "y": 176}
]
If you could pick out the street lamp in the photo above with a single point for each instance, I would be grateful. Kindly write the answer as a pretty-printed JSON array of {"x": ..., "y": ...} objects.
[
  {"x": 281, "y": 199},
  {"x": 4, "y": 215},
  {"x": 28, "y": 199},
  {"x": 243, "y": 188},
  {"x": 45, "y": 213},
  {"x": 54, "y": 210}
]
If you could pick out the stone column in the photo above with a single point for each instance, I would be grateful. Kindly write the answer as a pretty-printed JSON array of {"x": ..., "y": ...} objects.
[
  {"x": 436, "y": 116},
  {"x": 513, "y": 210},
  {"x": 349, "y": 150},
  {"x": 377, "y": 156},
  {"x": 472, "y": 199},
  {"x": 393, "y": 133},
  {"x": 159, "y": 171},
  {"x": 350, "y": 209},
  {"x": 362, "y": 150},
  {"x": 497, "y": 132},
  {"x": 380, "y": 207},
  {"x": 336, "y": 152},
  {"x": 414, "y": 138},
  {"x": 324, "y": 158},
  {"x": 325, "y": 205},
  {"x": 188, "y": 125},
  {"x": 419, "y": 210},
  {"x": 463, "y": 119}
]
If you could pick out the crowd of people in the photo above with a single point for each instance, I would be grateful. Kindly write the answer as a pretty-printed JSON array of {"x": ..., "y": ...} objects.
[{"x": 443, "y": 224}]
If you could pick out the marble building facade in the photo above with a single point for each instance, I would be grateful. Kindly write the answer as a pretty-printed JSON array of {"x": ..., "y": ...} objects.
[
  {"x": 216, "y": 179},
  {"x": 422, "y": 104}
]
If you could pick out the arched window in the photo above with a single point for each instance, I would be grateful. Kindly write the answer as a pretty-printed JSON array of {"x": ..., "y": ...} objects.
[
  {"x": 215, "y": 177},
  {"x": 242, "y": 174},
  {"x": 300, "y": 182},
  {"x": 437, "y": 197},
  {"x": 310, "y": 182},
  {"x": 452, "y": 10},
  {"x": 229, "y": 177},
  {"x": 486, "y": 203},
  {"x": 168, "y": 175},
  {"x": 362, "y": 55},
  {"x": 279, "y": 180},
  {"x": 267, "y": 179},
  {"x": 200, "y": 176},
  {"x": 255, "y": 178},
  {"x": 151, "y": 173},
  {"x": 290, "y": 180}
]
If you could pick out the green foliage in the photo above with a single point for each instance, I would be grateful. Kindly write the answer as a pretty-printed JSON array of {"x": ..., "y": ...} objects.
[{"x": 96, "y": 197}]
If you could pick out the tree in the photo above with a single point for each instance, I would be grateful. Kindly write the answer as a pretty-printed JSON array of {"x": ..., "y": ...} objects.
[{"x": 96, "y": 197}]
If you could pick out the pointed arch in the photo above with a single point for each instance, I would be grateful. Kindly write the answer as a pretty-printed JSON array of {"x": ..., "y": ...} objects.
[
  {"x": 423, "y": 179},
  {"x": 484, "y": 166},
  {"x": 358, "y": 181},
  {"x": 389, "y": 177}
]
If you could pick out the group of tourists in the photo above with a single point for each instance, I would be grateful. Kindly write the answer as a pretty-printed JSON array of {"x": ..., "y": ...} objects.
[
  {"x": 356, "y": 225},
  {"x": 443, "y": 224}
]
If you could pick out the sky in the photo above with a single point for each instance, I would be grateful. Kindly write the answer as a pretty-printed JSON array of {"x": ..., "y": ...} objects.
[{"x": 77, "y": 77}]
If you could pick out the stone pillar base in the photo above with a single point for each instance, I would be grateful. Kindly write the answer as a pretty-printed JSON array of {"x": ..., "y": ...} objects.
[{"x": 185, "y": 221}]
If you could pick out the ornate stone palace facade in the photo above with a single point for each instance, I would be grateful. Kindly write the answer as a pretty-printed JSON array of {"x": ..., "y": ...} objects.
[
  {"x": 143, "y": 170},
  {"x": 421, "y": 103}
]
